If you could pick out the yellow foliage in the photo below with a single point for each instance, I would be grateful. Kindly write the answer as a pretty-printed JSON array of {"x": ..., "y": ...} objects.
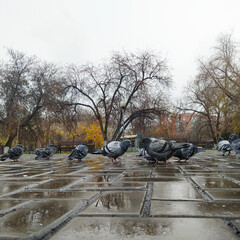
[{"x": 94, "y": 134}]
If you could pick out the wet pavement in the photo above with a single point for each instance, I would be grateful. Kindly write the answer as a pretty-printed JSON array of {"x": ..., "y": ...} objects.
[{"x": 132, "y": 199}]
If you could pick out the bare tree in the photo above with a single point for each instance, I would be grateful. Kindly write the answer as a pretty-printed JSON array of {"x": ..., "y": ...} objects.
[
  {"x": 27, "y": 86},
  {"x": 123, "y": 77},
  {"x": 223, "y": 67}
]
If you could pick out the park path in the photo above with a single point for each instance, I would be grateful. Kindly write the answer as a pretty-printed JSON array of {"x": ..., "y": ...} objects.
[{"x": 132, "y": 199}]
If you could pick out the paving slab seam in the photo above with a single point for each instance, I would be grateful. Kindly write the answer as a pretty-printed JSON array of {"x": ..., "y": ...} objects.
[
  {"x": 109, "y": 215},
  {"x": 21, "y": 189},
  {"x": 189, "y": 216},
  {"x": 176, "y": 200},
  {"x": 73, "y": 213},
  {"x": 232, "y": 226},
  {"x": 110, "y": 189},
  {"x": 225, "y": 200},
  {"x": 70, "y": 185},
  {"x": 201, "y": 191},
  {"x": 222, "y": 189},
  {"x": 230, "y": 179},
  {"x": 15, "y": 208},
  {"x": 148, "y": 196}
]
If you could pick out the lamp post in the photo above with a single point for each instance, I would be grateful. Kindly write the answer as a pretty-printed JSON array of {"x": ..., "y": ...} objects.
[{"x": 123, "y": 107}]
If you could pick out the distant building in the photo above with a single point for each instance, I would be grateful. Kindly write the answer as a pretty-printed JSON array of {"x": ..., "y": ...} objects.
[{"x": 135, "y": 141}]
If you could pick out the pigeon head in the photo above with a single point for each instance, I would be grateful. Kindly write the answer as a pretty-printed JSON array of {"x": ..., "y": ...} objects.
[
  {"x": 146, "y": 141},
  {"x": 233, "y": 137},
  {"x": 125, "y": 144},
  {"x": 200, "y": 149},
  {"x": 19, "y": 145},
  {"x": 220, "y": 139}
]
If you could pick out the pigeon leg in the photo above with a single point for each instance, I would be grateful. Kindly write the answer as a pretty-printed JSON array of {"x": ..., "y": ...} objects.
[{"x": 117, "y": 162}]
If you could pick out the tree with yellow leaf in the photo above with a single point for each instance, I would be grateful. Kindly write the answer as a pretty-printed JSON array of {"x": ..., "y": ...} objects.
[{"x": 94, "y": 135}]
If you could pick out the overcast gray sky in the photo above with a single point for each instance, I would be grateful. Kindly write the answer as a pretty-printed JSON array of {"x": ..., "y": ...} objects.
[{"x": 79, "y": 31}]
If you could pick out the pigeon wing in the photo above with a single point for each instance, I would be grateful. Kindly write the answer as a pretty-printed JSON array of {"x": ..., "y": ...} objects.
[
  {"x": 236, "y": 145},
  {"x": 113, "y": 149},
  {"x": 158, "y": 145},
  {"x": 82, "y": 151},
  {"x": 15, "y": 152}
]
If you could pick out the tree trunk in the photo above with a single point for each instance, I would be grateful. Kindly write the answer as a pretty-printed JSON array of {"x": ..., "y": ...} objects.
[{"x": 10, "y": 140}]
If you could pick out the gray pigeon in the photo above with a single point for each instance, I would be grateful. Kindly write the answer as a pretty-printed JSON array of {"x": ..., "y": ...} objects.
[
  {"x": 45, "y": 153},
  {"x": 79, "y": 152},
  {"x": 186, "y": 153},
  {"x": 224, "y": 146},
  {"x": 235, "y": 143},
  {"x": 13, "y": 153},
  {"x": 161, "y": 150},
  {"x": 114, "y": 149},
  {"x": 143, "y": 153}
]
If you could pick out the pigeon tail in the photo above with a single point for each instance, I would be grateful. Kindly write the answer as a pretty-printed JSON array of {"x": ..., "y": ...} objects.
[
  {"x": 176, "y": 146},
  {"x": 98, "y": 151},
  {"x": 4, "y": 157}
]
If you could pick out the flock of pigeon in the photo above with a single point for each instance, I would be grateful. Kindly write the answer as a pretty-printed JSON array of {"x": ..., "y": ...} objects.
[
  {"x": 227, "y": 146},
  {"x": 155, "y": 150}
]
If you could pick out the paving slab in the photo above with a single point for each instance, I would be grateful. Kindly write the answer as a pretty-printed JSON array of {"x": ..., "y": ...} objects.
[
  {"x": 5, "y": 205},
  {"x": 208, "y": 182},
  {"x": 137, "y": 173},
  {"x": 109, "y": 186},
  {"x": 26, "y": 222},
  {"x": 127, "y": 199},
  {"x": 51, "y": 194},
  {"x": 145, "y": 228},
  {"x": 224, "y": 195},
  {"x": 56, "y": 183},
  {"x": 153, "y": 179},
  {"x": 9, "y": 187},
  {"x": 194, "y": 209},
  {"x": 175, "y": 191},
  {"x": 117, "y": 203}
]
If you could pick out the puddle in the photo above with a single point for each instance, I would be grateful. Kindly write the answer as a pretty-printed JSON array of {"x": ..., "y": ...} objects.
[
  {"x": 6, "y": 204},
  {"x": 117, "y": 203},
  {"x": 47, "y": 194},
  {"x": 167, "y": 170},
  {"x": 215, "y": 183},
  {"x": 191, "y": 168},
  {"x": 56, "y": 183},
  {"x": 166, "y": 174},
  {"x": 107, "y": 186},
  {"x": 175, "y": 191},
  {"x": 102, "y": 178},
  {"x": 35, "y": 217},
  {"x": 225, "y": 195},
  {"x": 200, "y": 209},
  {"x": 158, "y": 179},
  {"x": 234, "y": 176},
  {"x": 9, "y": 187},
  {"x": 145, "y": 228},
  {"x": 130, "y": 173}
]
